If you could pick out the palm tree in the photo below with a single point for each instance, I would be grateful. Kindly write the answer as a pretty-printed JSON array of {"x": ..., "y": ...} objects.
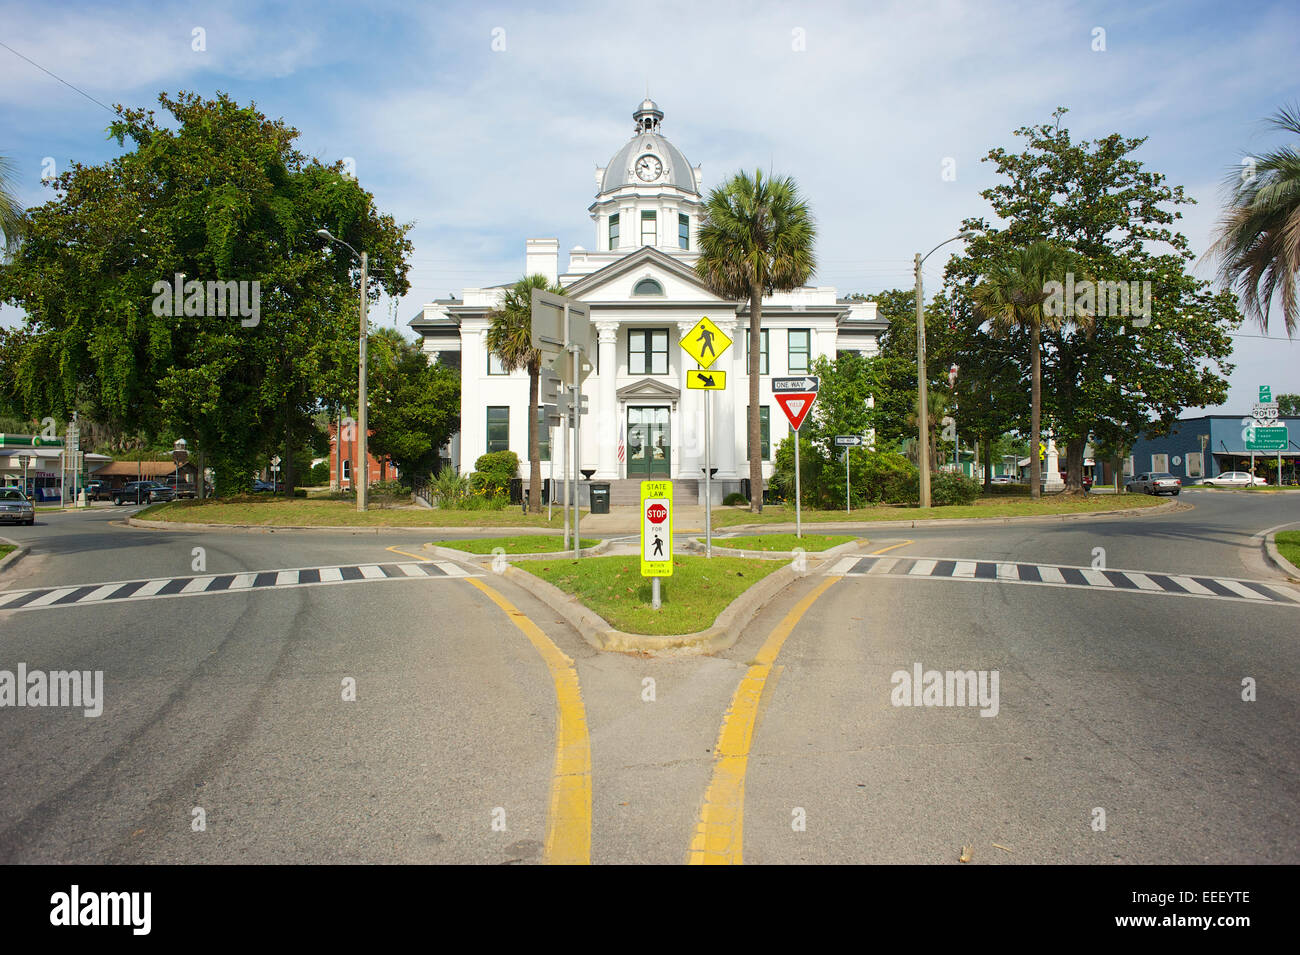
[
  {"x": 510, "y": 339},
  {"x": 1012, "y": 294},
  {"x": 11, "y": 210},
  {"x": 756, "y": 237},
  {"x": 1259, "y": 236}
]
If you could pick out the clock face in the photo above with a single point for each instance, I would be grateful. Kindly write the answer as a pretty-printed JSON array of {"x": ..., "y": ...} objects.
[{"x": 649, "y": 168}]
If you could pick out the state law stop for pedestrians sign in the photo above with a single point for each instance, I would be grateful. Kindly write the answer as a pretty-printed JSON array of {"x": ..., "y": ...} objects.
[{"x": 656, "y": 528}]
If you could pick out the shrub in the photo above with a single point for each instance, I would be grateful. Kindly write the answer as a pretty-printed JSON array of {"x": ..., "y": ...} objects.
[
  {"x": 949, "y": 488},
  {"x": 494, "y": 472},
  {"x": 882, "y": 477},
  {"x": 1008, "y": 490},
  {"x": 449, "y": 488},
  {"x": 734, "y": 498}
]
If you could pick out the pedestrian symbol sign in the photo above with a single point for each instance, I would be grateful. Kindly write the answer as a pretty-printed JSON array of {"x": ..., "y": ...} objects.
[
  {"x": 705, "y": 342},
  {"x": 698, "y": 379},
  {"x": 656, "y": 528}
]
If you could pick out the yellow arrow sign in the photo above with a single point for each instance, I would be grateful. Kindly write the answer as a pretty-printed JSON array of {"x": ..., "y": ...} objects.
[
  {"x": 706, "y": 380},
  {"x": 705, "y": 342}
]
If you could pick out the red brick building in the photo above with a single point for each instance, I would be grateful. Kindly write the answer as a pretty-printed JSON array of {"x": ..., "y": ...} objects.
[{"x": 381, "y": 469}]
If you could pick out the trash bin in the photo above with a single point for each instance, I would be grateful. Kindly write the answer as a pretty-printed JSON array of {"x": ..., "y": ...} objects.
[{"x": 599, "y": 498}]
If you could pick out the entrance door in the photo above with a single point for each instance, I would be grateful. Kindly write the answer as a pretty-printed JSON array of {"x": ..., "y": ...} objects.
[{"x": 649, "y": 446}]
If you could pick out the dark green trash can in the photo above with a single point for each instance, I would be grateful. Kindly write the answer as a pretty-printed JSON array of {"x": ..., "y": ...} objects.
[{"x": 600, "y": 498}]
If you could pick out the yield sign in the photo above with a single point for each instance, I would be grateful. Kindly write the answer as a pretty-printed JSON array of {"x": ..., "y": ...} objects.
[{"x": 796, "y": 406}]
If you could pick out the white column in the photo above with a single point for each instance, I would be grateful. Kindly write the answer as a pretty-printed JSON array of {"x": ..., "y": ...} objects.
[
  {"x": 688, "y": 442},
  {"x": 725, "y": 430},
  {"x": 608, "y": 413}
]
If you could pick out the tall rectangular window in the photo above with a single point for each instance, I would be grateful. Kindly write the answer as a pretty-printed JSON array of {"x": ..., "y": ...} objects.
[
  {"x": 765, "y": 433},
  {"x": 543, "y": 436},
  {"x": 1193, "y": 461},
  {"x": 800, "y": 350},
  {"x": 649, "y": 228},
  {"x": 647, "y": 351},
  {"x": 498, "y": 429},
  {"x": 494, "y": 364},
  {"x": 762, "y": 352},
  {"x": 684, "y": 233},
  {"x": 1159, "y": 462},
  {"x": 613, "y": 235}
]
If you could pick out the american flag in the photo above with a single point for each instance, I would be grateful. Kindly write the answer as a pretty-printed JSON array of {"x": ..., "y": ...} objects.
[{"x": 621, "y": 451}]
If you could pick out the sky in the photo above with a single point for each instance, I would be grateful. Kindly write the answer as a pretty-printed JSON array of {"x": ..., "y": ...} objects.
[{"x": 483, "y": 123}]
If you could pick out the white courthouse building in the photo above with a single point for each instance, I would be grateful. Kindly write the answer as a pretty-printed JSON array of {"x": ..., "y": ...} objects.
[{"x": 640, "y": 284}]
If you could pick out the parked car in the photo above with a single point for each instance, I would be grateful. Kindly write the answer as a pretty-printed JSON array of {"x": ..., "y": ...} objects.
[
  {"x": 15, "y": 508},
  {"x": 143, "y": 492},
  {"x": 182, "y": 488},
  {"x": 1154, "y": 482},
  {"x": 99, "y": 491},
  {"x": 1235, "y": 479},
  {"x": 1002, "y": 479},
  {"x": 266, "y": 487}
]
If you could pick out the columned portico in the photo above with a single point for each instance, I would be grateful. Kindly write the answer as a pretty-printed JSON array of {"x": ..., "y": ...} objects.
[{"x": 611, "y": 410}]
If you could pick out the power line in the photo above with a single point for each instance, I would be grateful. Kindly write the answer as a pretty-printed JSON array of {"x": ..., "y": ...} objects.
[{"x": 59, "y": 78}]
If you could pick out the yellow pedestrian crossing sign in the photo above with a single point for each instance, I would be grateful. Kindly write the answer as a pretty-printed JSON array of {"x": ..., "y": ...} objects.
[
  {"x": 702, "y": 380},
  {"x": 705, "y": 342}
]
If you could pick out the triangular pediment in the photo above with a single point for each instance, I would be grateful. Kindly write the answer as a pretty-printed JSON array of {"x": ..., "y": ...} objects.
[
  {"x": 645, "y": 262},
  {"x": 649, "y": 389}
]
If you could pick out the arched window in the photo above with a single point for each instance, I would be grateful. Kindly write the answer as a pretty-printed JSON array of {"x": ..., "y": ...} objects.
[{"x": 648, "y": 287}]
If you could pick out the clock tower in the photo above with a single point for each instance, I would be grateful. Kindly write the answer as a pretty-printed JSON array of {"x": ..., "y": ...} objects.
[{"x": 649, "y": 194}]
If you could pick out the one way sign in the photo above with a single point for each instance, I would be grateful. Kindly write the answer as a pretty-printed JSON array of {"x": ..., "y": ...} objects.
[{"x": 807, "y": 383}]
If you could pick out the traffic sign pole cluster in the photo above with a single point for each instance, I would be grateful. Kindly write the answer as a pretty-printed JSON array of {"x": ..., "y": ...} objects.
[
  {"x": 847, "y": 441},
  {"x": 705, "y": 343},
  {"x": 796, "y": 397}
]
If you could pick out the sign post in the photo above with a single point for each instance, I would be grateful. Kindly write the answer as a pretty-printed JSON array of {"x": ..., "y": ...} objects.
[
  {"x": 706, "y": 343},
  {"x": 796, "y": 397},
  {"x": 561, "y": 330},
  {"x": 656, "y": 534},
  {"x": 847, "y": 441}
]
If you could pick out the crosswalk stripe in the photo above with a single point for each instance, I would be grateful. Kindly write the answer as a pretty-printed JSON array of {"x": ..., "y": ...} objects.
[
  {"x": 1190, "y": 585},
  {"x": 118, "y": 591},
  {"x": 1050, "y": 575},
  {"x": 883, "y": 566},
  {"x": 922, "y": 568},
  {"x": 1143, "y": 581},
  {"x": 964, "y": 568},
  {"x": 1239, "y": 589},
  {"x": 53, "y": 595},
  {"x": 1097, "y": 578},
  {"x": 1008, "y": 572}
]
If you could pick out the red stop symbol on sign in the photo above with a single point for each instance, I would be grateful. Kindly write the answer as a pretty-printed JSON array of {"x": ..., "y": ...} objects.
[{"x": 656, "y": 513}]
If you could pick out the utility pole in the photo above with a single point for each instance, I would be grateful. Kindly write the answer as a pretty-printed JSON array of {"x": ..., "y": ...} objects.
[
  {"x": 923, "y": 398},
  {"x": 363, "y": 491}
]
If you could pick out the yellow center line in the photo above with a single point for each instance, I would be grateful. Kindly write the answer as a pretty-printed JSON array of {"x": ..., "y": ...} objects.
[
  {"x": 395, "y": 550},
  {"x": 719, "y": 832},
  {"x": 568, "y": 821}
]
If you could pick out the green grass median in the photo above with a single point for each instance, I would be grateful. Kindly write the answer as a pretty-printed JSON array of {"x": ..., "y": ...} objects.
[
  {"x": 691, "y": 598},
  {"x": 782, "y": 542},
  {"x": 5, "y": 549},
  {"x": 1288, "y": 545},
  {"x": 990, "y": 507},
  {"x": 279, "y": 512},
  {"x": 522, "y": 544}
]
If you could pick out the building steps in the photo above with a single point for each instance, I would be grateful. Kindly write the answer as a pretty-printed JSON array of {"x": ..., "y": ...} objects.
[{"x": 628, "y": 492}]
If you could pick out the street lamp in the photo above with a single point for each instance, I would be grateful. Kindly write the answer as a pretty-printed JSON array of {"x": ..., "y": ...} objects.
[
  {"x": 922, "y": 387},
  {"x": 363, "y": 456}
]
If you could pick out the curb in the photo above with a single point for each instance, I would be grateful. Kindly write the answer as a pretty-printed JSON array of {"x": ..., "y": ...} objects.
[
  {"x": 597, "y": 631},
  {"x": 13, "y": 556},
  {"x": 696, "y": 545},
  {"x": 959, "y": 521},
  {"x": 466, "y": 557},
  {"x": 1271, "y": 553}
]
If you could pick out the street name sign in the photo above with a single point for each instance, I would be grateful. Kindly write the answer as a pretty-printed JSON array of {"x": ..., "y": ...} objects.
[
  {"x": 705, "y": 342},
  {"x": 656, "y": 528},
  {"x": 700, "y": 380}
]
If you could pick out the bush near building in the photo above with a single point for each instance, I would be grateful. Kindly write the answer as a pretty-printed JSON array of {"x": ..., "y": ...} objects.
[
  {"x": 949, "y": 488},
  {"x": 493, "y": 473},
  {"x": 875, "y": 477}
]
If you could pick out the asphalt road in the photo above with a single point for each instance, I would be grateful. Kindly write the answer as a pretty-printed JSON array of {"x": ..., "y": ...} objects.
[{"x": 232, "y": 703}]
